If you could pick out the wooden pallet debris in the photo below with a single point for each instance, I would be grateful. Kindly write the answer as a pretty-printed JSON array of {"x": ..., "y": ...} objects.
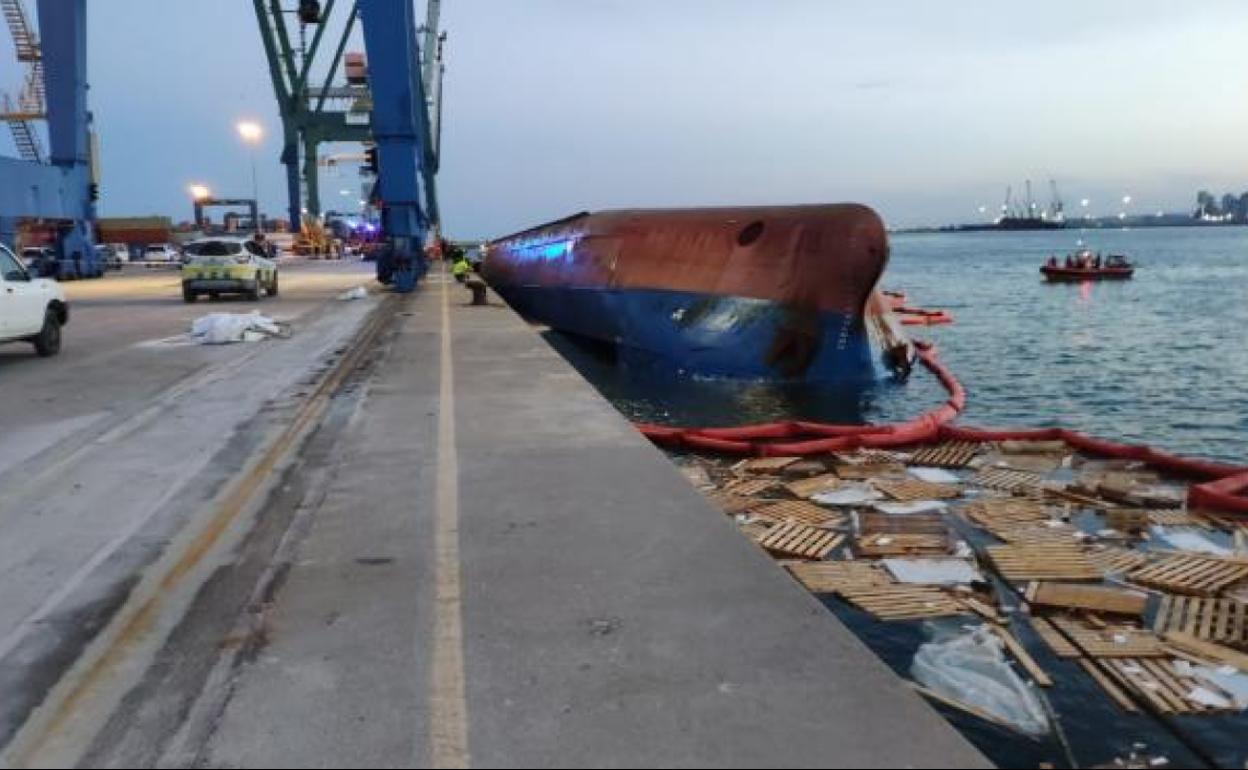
[
  {"x": 765, "y": 465},
  {"x": 802, "y": 512},
  {"x": 757, "y": 529},
  {"x": 751, "y": 487},
  {"x": 832, "y": 577},
  {"x": 1043, "y": 562},
  {"x": 1056, "y": 641},
  {"x": 1113, "y": 560},
  {"x": 1007, "y": 480},
  {"x": 901, "y": 544},
  {"x": 805, "y": 467},
  {"x": 1034, "y": 447},
  {"x": 1021, "y": 655},
  {"x": 791, "y": 538},
  {"x": 1176, "y": 518},
  {"x": 1128, "y": 519},
  {"x": 864, "y": 472},
  {"x": 1114, "y": 640},
  {"x": 1195, "y": 575},
  {"x": 903, "y": 602},
  {"x": 807, "y": 488},
  {"x": 1222, "y": 621},
  {"x": 869, "y": 457},
  {"x": 1059, "y": 533},
  {"x": 1030, "y": 463},
  {"x": 1156, "y": 682},
  {"x": 951, "y": 454},
  {"x": 1093, "y": 598},
  {"x": 1006, "y": 510},
  {"x": 914, "y": 490},
  {"x": 912, "y": 524},
  {"x": 1111, "y": 689},
  {"x": 732, "y": 504},
  {"x": 1212, "y": 652}
]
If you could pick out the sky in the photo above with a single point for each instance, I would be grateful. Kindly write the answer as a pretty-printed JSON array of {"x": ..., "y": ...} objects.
[{"x": 926, "y": 111}]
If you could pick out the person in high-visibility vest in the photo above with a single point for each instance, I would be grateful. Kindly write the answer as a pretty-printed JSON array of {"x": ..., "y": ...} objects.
[{"x": 460, "y": 269}]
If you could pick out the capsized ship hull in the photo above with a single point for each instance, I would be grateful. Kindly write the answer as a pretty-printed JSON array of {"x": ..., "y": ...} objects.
[{"x": 767, "y": 293}]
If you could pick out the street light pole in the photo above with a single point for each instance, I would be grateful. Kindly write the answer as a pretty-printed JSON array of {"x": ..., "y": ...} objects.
[{"x": 251, "y": 133}]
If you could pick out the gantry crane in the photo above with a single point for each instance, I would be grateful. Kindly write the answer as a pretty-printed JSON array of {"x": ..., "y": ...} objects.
[{"x": 62, "y": 190}]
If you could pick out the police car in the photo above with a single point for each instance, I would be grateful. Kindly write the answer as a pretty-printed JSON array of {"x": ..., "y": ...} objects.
[{"x": 216, "y": 266}]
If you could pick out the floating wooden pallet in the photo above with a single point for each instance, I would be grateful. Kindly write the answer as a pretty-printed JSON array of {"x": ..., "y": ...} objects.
[
  {"x": 1043, "y": 562},
  {"x": 766, "y": 465},
  {"x": 1190, "y": 574},
  {"x": 1115, "y": 561},
  {"x": 757, "y": 529},
  {"x": 901, "y": 544},
  {"x": 1059, "y": 644},
  {"x": 951, "y": 454},
  {"x": 732, "y": 504},
  {"x": 805, "y": 467},
  {"x": 790, "y": 538},
  {"x": 1006, "y": 510},
  {"x": 903, "y": 602},
  {"x": 1179, "y": 518},
  {"x": 1158, "y": 683},
  {"x": 870, "y": 523},
  {"x": 1111, "y": 688},
  {"x": 1035, "y": 534},
  {"x": 1030, "y": 463},
  {"x": 908, "y": 490},
  {"x": 863, "y": 472},
  {"x": 1114, "y": 641},
  {"x": 832, "y": 577},
  {"x": 806, "y": 488},
  {"x": 1223, "y": 621},
  {"x": 1090, "y": 598},
  {"x": 1007, "y": 480},
  {"x": 802, "y": 512},
  {"x": 869, "y": 457},
  {"x": 751, "y": 487}
]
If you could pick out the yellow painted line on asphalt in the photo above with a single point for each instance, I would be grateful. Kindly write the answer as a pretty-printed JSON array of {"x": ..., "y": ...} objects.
[
  {"x": 448, "y": 707},
  {"x": 129, "y": 629}
]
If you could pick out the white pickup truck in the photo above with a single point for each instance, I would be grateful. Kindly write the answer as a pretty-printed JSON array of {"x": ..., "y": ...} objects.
[{"x": 31, "y": 309}]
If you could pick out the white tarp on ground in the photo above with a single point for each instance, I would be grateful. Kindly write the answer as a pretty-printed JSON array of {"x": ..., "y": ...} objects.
[
  {"x": 933, "y": 571},
  {"x": 222, "y": 328},
  {"x": 972, "y": 668}
]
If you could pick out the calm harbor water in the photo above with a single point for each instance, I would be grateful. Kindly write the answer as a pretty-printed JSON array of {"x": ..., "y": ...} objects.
[{"x": 1161, "y": 359}]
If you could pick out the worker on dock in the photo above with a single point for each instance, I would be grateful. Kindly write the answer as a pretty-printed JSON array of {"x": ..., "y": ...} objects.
[{"x": 460, "y": 268}]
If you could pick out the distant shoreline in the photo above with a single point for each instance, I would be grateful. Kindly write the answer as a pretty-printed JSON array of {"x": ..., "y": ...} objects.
[{"x": 1106, "y": 223}]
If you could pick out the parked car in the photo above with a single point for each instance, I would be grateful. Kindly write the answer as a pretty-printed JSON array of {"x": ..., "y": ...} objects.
[
  {"x": 161, "y": 252},
  {"x": 108, "y": 255},
  {"x": 123, "y": 251},
  {"x": 217, "y": 266},
  {"x": 31, "y": 309},
  {"x": 38, "y": 260}
]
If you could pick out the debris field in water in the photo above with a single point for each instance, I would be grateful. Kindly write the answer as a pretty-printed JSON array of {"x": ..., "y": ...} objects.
[{"x": 1102, "y": 560}]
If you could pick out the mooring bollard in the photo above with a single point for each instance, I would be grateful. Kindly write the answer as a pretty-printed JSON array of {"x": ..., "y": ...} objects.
[{"x": 477, "y": 287}]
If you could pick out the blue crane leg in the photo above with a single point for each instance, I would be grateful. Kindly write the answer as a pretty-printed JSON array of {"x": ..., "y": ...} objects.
[{"x": 400, "y": 129}]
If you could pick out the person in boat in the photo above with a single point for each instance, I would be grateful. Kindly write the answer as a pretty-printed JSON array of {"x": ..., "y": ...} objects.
[
  {"x": 1053, "y": 260},
  {"x": 1097, "y": 262},
  {"x": 1070, "y": 262}
]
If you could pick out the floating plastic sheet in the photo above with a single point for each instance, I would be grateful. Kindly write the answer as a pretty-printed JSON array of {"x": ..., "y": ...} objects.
[
  {"x": 1189, "y": 540},
  {"x": 933, "y": 571},
  {"x": 934, "y": 475},
  {"x": 971, "y": 667},
  {"x": 850, "y": 494},
  {"x": 910, "y": 508}
]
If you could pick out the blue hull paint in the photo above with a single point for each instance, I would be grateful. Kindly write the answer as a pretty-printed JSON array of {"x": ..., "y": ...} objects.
[{"x": 708, "y": 335}]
